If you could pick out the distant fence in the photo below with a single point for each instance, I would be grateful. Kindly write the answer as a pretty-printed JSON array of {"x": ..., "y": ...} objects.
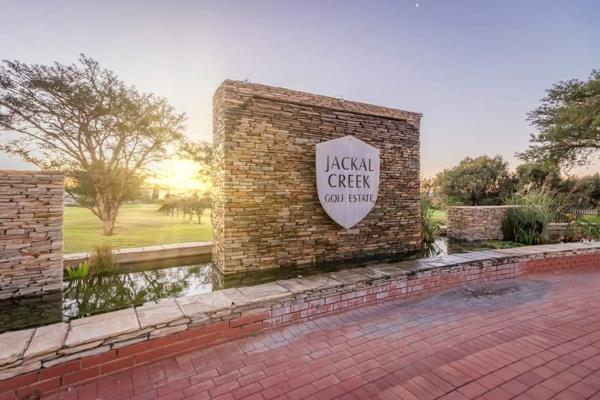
[{"x": 583, "y": 212}]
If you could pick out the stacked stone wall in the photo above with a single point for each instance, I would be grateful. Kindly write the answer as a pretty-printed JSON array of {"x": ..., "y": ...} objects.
[
  {"x": 31, "y": 237},
  {"x": 473, "y": 223},
  {"x": 267, "y": 212}
]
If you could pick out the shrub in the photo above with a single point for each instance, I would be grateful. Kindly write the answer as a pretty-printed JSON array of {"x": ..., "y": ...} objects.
[
  {"x": 587, "y": 230},
  {"x": 430, "y": 227},
  {"x": 79, "y": 272},
  {"x": 103, "y": 260},
  {"x": 528, "y": 223}
]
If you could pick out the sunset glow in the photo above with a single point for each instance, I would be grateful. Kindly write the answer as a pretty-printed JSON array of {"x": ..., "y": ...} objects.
[{"x": 178, "y": 175}]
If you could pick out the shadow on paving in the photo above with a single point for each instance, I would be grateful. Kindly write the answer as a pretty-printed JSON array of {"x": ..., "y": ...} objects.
[{"x": 538, "y": 336}]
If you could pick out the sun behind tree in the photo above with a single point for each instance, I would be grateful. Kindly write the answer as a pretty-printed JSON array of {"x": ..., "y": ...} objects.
[{"x": 82, "y": 120}]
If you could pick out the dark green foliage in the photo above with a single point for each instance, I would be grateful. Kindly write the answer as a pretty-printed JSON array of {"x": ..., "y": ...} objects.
[
  {"x": 528, "y": 221},
  {"x": 588, "y": 230},
  {"x": 537, "y": 175},
  {"x": 581, "y": 192},
  {"x": 187, "y": 206},
  {"x": 476, "y": 181},
  {"x": 430, "y": 227},
  {"x": 568, "y": 123},
  {"x": 525, "y": 226}
]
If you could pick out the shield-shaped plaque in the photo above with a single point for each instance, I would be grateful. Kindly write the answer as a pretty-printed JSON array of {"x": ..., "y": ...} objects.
[{"x": 347, "y": 179}]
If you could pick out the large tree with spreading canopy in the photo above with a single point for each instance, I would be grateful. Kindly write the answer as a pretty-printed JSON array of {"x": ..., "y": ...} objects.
[
  {"x": 81, "y": 119},
  {"x": 568, "y": 124}
]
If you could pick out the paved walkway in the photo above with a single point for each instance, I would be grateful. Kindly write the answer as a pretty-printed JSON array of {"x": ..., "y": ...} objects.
[{"x": 531, "y": 338}]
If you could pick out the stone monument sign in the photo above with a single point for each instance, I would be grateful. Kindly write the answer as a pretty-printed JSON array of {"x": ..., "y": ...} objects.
[
  {"x": 347, "y": 179},
  {"x": 304, "y": 179}
]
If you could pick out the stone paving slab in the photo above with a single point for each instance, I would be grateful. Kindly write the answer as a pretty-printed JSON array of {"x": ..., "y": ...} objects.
[
  {"x": 319, "y": 282},
  {"x": 512, "y": 252},
  {"x": 293, "y": 285},
  {"x": 46, "y": 340},
  {"x": 102, "y": 326},
  {"x": 158, "y": 313},
  {"x": 446, "y": 261},
  {"x": 355, "y": 275},
  {"x": 236, "y": 297},
  {"x": 483, "y": 255},
  {"x": 13, "y": 345},
  {"x": 264, "y": 292},
  {"x": 20, "y": 369},
  {"x": 391, "y": 271},
  {"x": 193, "y": 306},
  {"x": 415, "y": 266}
]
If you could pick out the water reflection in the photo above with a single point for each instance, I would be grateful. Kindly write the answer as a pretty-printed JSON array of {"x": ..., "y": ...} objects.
[
  {"x": 139, "y": 283},
  {"x": 29, "y": 311},
  {"x": 437, "y": 248},
  {"x": 93, "y": 295}
]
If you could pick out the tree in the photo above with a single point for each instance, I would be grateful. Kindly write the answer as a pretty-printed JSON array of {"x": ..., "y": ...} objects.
[
  {"x": 476, "y": 181},
  {"x": 580, "y": 192},
  {"x": 187, "y": 205},
  {"x": 203, "y": 154},
  {"x": 568, "y": 123},
  {"x": 82, "y": 190},
  {"x": 536, "y": 175},
  {"x": 82, "y": 120}
]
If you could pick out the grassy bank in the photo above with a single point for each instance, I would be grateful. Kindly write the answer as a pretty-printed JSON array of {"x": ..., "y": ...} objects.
[
  {"x": 441, "y": 216},
  {"x": 137, "y": 226}
]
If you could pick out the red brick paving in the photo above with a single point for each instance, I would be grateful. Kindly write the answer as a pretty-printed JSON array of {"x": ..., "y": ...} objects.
[{"x": 538, "y": 340}]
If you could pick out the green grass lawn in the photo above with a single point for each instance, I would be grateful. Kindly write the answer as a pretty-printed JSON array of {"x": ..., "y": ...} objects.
[
  {"x": 592, "y": 219},
  {"x": 137, "y": 225},
  {"x": 441, "y": 216}
]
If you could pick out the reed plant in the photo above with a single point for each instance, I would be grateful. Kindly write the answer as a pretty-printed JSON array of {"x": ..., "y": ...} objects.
[
  {"x": 430, "y": 227},
  {"x": 103, "y": 260},
  {"x": 527, "y": 222}
]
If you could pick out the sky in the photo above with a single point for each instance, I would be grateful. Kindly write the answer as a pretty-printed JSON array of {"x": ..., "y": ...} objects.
[{"x": 472, "y": 68}]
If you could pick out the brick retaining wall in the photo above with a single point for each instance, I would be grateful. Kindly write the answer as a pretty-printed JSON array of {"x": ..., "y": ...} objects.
[
  {"x": 31, "y": 242},
  {"x": 266, "y": 211},
  {"x": 46, "y": 359},
  {"x": 472, "y": 223}
]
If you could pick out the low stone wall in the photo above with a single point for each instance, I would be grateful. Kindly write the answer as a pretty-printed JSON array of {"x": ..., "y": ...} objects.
[
  {"x": 148, "y": 253},
  {"x": 473, "y": 223},
  {"x": 45, "y": 359},
  {"x": 31, "y": 241}
]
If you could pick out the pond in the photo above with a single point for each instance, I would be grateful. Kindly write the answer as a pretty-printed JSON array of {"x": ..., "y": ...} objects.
[
  {"x": 139, "y": 283},
  {"x": 94, "y": 295},
  {"x": 132, "y": 285}
]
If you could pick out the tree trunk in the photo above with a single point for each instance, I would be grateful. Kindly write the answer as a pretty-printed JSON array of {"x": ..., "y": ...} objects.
[
  {"x": 107, "y": 210},
  {"x": 108, "y": 227}
]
